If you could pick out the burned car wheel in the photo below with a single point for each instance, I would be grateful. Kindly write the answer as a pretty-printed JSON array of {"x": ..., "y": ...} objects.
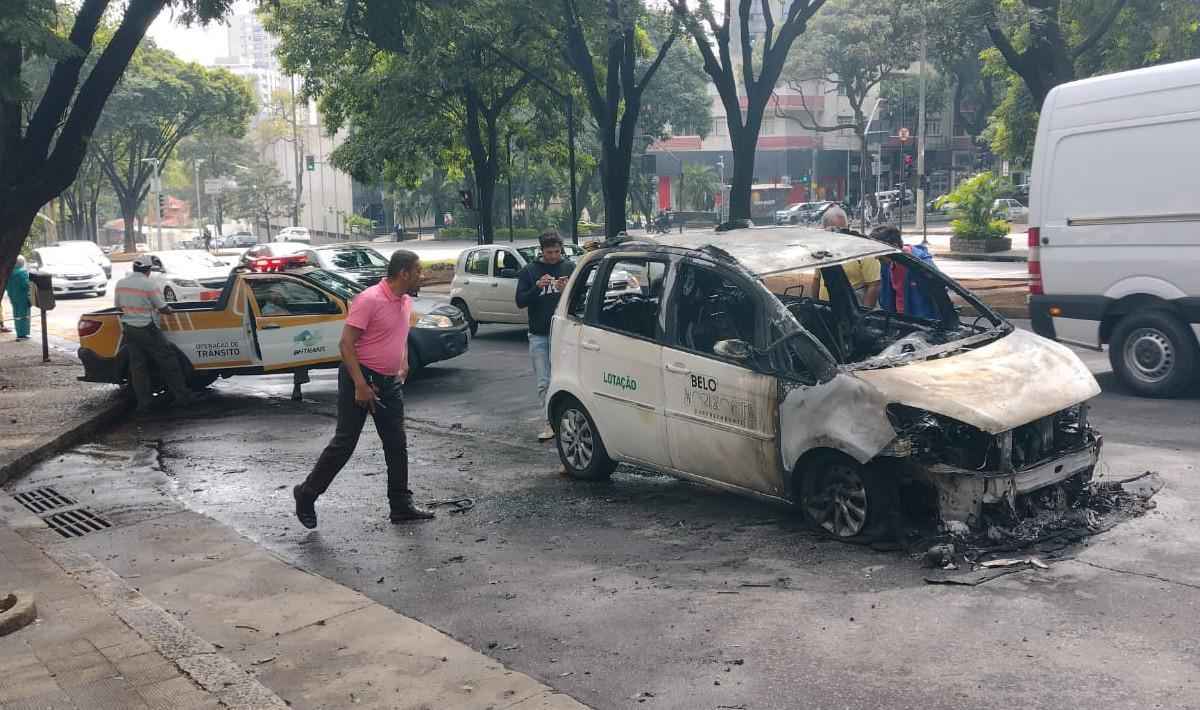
[
  {"x": 842, "y": 497},
  {"x": 580, "y": 448}
]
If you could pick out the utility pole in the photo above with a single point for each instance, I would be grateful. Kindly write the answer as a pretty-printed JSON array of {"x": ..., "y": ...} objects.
[
  {"x": 921, "y": 136},
  {"x": 812, "y": 183},
  {"x": 297, "y": 150},
  {"x": 199, "y": 213},
  {"x": 156, "y": 188}
]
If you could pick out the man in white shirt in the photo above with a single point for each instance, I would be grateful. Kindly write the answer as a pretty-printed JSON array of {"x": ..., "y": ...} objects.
[{"x": 140, "y": 302}]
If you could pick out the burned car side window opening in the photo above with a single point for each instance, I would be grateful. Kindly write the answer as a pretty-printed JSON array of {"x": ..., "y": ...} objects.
[
  {"x": 632, "y": 297},
  {"x": 709, "y": 308}
]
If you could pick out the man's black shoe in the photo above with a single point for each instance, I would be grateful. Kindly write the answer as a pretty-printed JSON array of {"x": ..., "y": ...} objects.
[
  {"x": 305, "y": 510},
  {"x": 406, "y": 511}
]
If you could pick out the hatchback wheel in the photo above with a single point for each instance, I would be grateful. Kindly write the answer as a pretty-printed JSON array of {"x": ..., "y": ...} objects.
[
  {"x": 169, "y": 294},
  {"x": 1153, "y": 353},
  {"x": 462, "y": 306},
  {"x": 842, "y": 497},
  {"x": 580, "y": 447}
]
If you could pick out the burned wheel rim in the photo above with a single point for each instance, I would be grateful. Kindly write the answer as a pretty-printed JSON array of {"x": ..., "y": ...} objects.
[
  {"x": 1149, "y": 355},
  {"x": 576, "y": 439},
  {"x": 838, "y": 502}
]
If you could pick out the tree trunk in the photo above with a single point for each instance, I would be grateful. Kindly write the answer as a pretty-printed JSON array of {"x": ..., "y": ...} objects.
[
  {"x": 614, "y": 173},
  {"x": 14, "y": 229},
  {"x": 130, "y": 217},
  {"x": 740, "y": 184}
]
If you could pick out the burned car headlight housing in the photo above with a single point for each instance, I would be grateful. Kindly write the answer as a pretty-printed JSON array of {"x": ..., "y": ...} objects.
[{"x": 939, "y": 438}]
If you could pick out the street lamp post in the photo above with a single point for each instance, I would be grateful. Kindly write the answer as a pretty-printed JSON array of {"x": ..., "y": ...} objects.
[{"x": 862, "y": 172}]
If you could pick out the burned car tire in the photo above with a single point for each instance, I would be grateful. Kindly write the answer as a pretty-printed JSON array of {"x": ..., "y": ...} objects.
[
  {"x": 845, "y": 499},
  {"x": 580, "y": 447},
  {"x": 1153, "y": 353}
]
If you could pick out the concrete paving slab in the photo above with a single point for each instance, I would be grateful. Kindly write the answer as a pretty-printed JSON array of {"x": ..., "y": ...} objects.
[
  {"x": 181, "y": 542},
  {"x": 245, "y": 599},
  {"x": 376, "y": 657}
]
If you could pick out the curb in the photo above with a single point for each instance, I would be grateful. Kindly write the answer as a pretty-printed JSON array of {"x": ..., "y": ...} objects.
[
  {"x": 195, "y": 657},
  {"x": 120, "y": 404},
  {"x": 20, "y": 613}
]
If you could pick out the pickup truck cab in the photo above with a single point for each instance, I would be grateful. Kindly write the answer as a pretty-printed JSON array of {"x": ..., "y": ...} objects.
[{"x": 274, "y": 316}]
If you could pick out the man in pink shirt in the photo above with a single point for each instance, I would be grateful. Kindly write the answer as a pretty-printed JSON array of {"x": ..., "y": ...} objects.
[{"x": 371, "y": 378}]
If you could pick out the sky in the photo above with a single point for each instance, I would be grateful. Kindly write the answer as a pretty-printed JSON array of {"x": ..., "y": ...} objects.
[{"x": 195, "y": 44}]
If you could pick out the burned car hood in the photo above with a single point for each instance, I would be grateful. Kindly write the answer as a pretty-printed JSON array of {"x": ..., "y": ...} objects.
[{"x": 1002, "y": 385}]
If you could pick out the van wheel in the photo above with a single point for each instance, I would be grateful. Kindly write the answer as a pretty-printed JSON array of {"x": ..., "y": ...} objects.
[
  {"x": 580, "y": 447},
  {"x": 1153, "y": 353},
  {"x": 462, "y": 306},
  {"x": 846, "y": 499}
]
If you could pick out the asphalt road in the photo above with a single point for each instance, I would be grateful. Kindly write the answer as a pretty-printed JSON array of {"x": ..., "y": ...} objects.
[{"x": 650, "y": 592}]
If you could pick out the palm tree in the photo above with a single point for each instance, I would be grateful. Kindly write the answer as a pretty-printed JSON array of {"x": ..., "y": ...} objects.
[{"x": 699, "y": 182}]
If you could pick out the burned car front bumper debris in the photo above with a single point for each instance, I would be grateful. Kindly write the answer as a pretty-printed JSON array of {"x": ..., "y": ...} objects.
[{"x": 968, "y": 469}]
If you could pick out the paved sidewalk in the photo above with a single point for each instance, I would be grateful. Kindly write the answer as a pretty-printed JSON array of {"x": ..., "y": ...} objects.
[
  {"x": 43, "y": 407},
  {"x": 79, "y": 654},
  {"x": 237, "y": 626}
]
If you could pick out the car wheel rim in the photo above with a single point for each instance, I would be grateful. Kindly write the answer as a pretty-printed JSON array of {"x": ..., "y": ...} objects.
[
  {"x": 168, "y": 295},
  {"x": 576, "y": 439},
  {"x": 839, "y": 504},
  {"x": 1149, "y": 355}
]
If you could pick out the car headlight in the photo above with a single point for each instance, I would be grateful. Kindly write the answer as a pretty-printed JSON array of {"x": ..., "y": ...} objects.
[
  {"x": 186, "y": 283},
  {"x": 434, "y": 320}
]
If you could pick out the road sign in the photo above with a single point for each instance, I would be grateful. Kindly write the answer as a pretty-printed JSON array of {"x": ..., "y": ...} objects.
[
  {"x": 904, "y": 135},
  {"x": 215, "y": 186}
]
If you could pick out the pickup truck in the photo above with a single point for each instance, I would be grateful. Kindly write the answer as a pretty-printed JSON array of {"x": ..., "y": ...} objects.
[{"x": 273, "y": 316}]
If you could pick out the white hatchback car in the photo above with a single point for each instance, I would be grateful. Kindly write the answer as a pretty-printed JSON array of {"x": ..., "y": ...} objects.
[
  {"x": 484, "y": 287},
  {"x": 723, "y": 371}
]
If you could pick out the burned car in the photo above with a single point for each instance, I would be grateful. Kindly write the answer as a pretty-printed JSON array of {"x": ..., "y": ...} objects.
[{"x": 725, "y": 367}]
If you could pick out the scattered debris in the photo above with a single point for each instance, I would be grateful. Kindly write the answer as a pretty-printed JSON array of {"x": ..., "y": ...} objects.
[
  {"x": 939, "y": 555},
  {"x": 460, "y": 505},
  {"x": 456, "y": 558},
  {"x": 261, "y": 661},
  {"x": 247, "y": 627},
  {"x": 512, "y": 647},
  {"x": 1014, "y": 562}
]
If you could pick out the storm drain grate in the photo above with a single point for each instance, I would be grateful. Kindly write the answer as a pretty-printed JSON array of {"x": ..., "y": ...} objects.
[
  {"x": 76, "y": 523},
  {"x": 41, "y": 500}
]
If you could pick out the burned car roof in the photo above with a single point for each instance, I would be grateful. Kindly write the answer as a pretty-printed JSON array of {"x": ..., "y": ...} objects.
[{"x": 770, "y": 250}]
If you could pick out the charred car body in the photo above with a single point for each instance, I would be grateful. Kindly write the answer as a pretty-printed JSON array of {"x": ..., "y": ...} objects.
[{"x": 724, "y": 371}]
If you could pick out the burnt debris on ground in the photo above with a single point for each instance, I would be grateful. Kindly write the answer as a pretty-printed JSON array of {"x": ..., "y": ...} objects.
[{"x": 1036, "y": 529}]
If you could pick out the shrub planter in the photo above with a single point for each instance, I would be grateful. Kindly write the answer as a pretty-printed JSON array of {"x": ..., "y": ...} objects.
[{"x": 980, "y": 246}]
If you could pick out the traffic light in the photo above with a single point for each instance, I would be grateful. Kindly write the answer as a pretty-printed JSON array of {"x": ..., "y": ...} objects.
[
  {"x": 310, "y": 163},
  {"x": 465, "y": 198},
  {"x": 162, "y": 203},
  {"x": 908, "y": 167}
]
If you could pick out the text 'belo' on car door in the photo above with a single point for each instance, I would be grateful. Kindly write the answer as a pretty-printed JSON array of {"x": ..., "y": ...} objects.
[
  {"x": 720, "y": 412},
  {"x": 296, "y": 323},
  {"x": 620, "y": 356}
]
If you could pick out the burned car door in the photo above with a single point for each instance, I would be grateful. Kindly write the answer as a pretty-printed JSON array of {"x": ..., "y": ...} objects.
[{"x": 720, "y": 400}]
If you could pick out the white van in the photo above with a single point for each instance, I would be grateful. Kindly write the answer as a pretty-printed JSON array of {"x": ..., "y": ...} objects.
[{"x": 1114, "y": 222}]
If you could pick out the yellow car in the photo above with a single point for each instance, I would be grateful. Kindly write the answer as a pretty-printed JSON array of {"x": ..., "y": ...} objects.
[{"x": 274, "y": 316}]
